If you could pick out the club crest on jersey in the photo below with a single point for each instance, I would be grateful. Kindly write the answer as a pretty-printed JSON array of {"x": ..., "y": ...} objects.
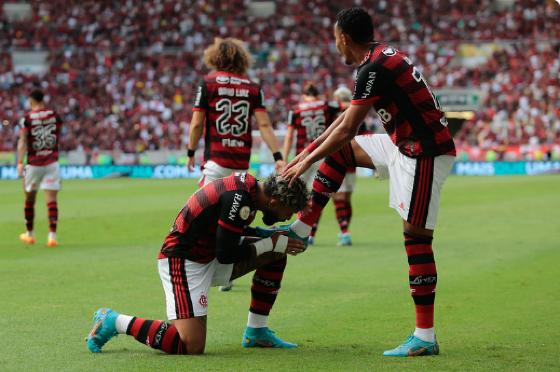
[
  {"x": 389, "y": 51},
  {"x": 234, "y": 207}
]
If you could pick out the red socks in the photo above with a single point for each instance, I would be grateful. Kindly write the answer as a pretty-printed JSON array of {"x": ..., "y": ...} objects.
[{"x": 422, "y": 277}]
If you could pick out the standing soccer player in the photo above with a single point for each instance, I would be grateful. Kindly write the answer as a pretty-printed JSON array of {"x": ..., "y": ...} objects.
[
  {"x": 417, "y": 153},
  {"x": 39, "y": 140},
  {"x": 225, "y": 102},
  {"x": 211, "y": 243},
  {"x": 309, "y": 119}
]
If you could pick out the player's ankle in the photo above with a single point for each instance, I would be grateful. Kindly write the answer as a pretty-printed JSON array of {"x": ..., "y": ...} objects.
[{"x": 301, "y": 228}]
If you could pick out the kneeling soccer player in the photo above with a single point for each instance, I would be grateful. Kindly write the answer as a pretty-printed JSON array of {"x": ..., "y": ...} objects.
[{"x": 209, "y": 245}]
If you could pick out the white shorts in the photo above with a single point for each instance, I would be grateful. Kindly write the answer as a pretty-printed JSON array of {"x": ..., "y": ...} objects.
[
  {"x": 309, "y": 175},
  {"x": 415, "y": 184},
  {"x": 348, "y": 183},
  {"x": 186, "y": 285},
  {"x": 212, "y": 171},
  {"x": 44, "y": 177}
]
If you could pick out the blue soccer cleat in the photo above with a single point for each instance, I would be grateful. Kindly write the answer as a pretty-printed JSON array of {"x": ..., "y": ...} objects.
[
  {"x": 292, "y": 234},
  {"x": 263, "y": 232},
  {"x": 103, "y": 329},
  {"x": 264, "y": 337},
  {"x": 413, "y": 346},
  {"x": 344, "y": 240}
]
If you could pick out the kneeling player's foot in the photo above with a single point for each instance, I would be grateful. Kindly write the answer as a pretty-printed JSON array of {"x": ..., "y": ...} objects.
[
  {"x": 226, "y": 288},
  {"x": 264, "y": 337},
  {"x": 344, "y": 240},
  {"x": 413, "y": 346},
  {"x": 292, "y": 234},
  {"x": 26, "y": 238},
  {"x": 104, "y": 328},
  {"x": 311, "y": 240},
  {"x": 263, "y": 232},
  {"x": 52, "y": 243}
]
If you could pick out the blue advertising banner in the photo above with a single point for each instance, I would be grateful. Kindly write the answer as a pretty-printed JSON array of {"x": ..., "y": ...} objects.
[{"x": 461, "y": 168}]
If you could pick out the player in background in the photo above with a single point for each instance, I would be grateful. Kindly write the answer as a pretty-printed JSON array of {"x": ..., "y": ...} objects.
[
  {"x": 308, "y": 120},
  {"x": 39, "y": 140},
  {"x": 417, "y": 152},
  {"x": 342, "y": 199},
  {"x": 225, "y": 102},
  {"x": 211, "y": 243}
]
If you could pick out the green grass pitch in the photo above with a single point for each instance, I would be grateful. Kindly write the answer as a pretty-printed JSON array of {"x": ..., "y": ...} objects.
[{"x": 497, "y": 307}]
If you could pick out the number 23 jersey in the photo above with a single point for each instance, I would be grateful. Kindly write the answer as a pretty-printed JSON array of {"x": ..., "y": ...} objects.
[
  {"x": 43, "y": 135},
  {"x": 229, "y": 101}
]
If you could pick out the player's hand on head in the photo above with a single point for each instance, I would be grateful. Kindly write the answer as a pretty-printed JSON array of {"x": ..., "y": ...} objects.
[{"x": 296, "y": 171}]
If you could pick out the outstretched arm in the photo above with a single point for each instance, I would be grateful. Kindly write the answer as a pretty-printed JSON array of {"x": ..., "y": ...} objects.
[
  {"x": 267, "y": 133},
  {"x": 340, "y": 136},
  {"x": 195, "y": 133}
]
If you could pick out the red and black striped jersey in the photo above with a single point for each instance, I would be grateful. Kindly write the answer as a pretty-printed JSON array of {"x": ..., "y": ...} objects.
[
  {"x": 408, "y": 109},
  {"x": 229, "y": 102},
  {"x": 227, "y": 203},
  {"x": 43, "y": 136},
  {"x": 310, "y": 119}
]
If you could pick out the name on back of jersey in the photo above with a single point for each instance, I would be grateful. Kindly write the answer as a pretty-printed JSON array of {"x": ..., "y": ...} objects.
[{"x": 232, "y": 92}]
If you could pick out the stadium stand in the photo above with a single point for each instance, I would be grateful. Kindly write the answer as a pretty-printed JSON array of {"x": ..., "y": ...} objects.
[{"x": 122, "y": 86}]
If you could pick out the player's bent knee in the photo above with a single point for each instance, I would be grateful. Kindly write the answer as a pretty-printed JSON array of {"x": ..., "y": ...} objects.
[{"x": 196, "y": 348}]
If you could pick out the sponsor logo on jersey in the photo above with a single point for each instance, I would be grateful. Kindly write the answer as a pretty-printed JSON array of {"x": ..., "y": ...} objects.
[
  {"x": 234, "y": 207},
  {"x": 244, "y": 212},
  {"x": 389, "y": 51},
  {"x": 222, "y": 79},
  {"x": 371, "y": 79}
]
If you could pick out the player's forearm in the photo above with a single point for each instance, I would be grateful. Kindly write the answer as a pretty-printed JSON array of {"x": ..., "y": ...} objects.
[
  {"x": 330, "y": 129},
  {"x": 194, "y": 137},
  {"x": 340, "y": 136},
  {"x": 269, "y": 137},
  {"x": 287, "y": 144},
  {"x": 21, "y": 150}
]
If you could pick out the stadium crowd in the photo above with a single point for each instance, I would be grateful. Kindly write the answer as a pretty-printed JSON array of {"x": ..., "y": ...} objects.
[{"x": 122, "y": 73}]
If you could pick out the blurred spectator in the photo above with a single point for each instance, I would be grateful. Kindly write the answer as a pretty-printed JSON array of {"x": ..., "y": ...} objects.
[{"x": 122, "y": 72}]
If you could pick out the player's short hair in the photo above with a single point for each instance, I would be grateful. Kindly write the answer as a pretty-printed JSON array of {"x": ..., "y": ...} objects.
[
  {"x": 356, "y": 23},
  {"x": 295, "y": 195},
  {"x": 310, "y": 89},
  {"x": 343, "y": 94},
  {"x": 37, "y": 95},
  {"x": 228, "y": 55}
]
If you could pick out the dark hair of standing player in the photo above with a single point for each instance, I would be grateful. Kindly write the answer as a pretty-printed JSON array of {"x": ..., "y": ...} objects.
[
  {"x": 309, "y": 89},
  {"x": 37, "y": 95},
  {"x": 229, "y": 55},
  {"x": 356, "y": 23}
]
